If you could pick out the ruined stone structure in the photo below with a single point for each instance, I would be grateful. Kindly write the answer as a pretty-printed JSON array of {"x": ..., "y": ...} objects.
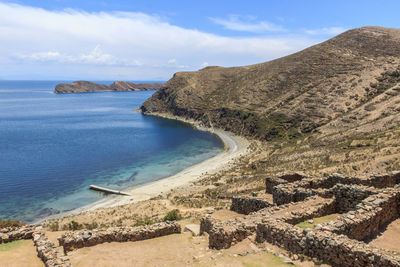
[
  {"x": 10, "y": 234},
  {"x": 46, "y": 249},
  {"x": 364, "y": 205},
  {"x": 54, "y": 257},
  {"x": 87, "y": 238},
  {"x": 245, "y": 205},
  {"x": 48, "y": 252}
]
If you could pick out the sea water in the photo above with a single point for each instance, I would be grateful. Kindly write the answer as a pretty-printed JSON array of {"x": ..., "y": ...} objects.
[{"x": 53, "y": 146}]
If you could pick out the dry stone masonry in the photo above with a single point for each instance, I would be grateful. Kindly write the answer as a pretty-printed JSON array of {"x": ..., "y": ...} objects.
[
  {"x": 364, "y": 206},
  {"x": 10, "y": 234},
  {"x": 246, "y": 205},
  {"x": 75, "y": 240},
  {"x": 48, "y": 252}
]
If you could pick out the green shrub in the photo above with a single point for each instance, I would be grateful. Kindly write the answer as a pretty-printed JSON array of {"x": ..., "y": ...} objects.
[
  {"x": 72, "y": 226},
  {"x": 91, "y": 226},
  {"x": 142, "y": 222},
  {"x": 11, "y": 223},
  {"x": 54, "y": 226},
  {"x": 173, "y": 215}
]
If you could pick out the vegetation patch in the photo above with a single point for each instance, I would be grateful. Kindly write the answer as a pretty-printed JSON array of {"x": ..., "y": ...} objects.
[
  {"x": 310, "y": 224},
  {"x": 12, "y": 245},
  {"x": 172, "y": 215},
  {"x": 141, "y": 222},
  {"x": 11, "y": 223}
]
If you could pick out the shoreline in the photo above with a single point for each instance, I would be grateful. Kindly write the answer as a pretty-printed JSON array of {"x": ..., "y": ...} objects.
[{"x": 234, "y": 147}]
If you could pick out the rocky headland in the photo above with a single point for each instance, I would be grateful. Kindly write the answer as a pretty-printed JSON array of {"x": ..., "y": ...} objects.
[{"x": 118, "y": 86}]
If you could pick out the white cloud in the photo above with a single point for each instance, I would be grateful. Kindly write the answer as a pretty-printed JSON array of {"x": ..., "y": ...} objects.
[
  {"x": 41, "y": 56},
  {"x": 326, "y": 31},
  {"x": 204, "y": 64},
  {"x": 96, "y": 56},
  {"x": 247, "y": 24},
  {"x": 38, "y": 43}
]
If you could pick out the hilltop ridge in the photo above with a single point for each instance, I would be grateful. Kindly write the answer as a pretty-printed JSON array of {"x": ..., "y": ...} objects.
[
  {"x": 88, "y": 87},
  {"x": 315, "y": 89}
]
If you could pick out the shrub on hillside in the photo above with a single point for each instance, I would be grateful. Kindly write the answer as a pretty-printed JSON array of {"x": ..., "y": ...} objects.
[
  {"x": 11, "y": 223},
  {"x": 173, "y": 215}
]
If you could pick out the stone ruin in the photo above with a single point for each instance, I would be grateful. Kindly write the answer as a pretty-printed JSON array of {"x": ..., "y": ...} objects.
[
  {"x": 87, "y": 238},
  {"x": 10, "y": 234},
  {"x": 364, "y": 205},
  {"x": 48, "y": 252},
  {"x": 51, "y": 256},
  {"x": 46, "y": 249}
]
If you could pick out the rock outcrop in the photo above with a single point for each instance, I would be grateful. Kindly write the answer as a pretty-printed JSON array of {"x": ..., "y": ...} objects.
[
  {"x": 128, "y": 86},
  {"x": 88, "y": 87}
]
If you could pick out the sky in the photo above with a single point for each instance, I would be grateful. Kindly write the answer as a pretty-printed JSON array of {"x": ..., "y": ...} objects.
[{"x": 153, "y": 39}]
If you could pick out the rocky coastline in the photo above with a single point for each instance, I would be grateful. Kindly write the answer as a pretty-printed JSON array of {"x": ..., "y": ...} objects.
[{"x": 117, "y": 86}]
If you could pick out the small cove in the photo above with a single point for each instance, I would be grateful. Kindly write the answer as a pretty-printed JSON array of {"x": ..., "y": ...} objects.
[{"x": 53, "y": 146}]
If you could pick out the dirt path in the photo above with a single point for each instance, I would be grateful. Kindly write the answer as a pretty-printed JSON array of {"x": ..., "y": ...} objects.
[{"x": 389, "y": 239}]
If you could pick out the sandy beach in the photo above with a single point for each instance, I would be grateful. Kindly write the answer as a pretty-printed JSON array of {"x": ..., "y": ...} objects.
[{"x": 235, "y": 146}]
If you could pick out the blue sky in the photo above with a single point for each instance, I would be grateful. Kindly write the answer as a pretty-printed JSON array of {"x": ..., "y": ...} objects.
[{"x": 151, "y": 40}]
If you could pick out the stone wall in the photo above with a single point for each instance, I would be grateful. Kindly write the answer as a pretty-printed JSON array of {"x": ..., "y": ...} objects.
[
  {"x": 370, "y": 215},
  {"x": 206, "y": 223},
  {"x": 383, "y": 180},
  {"x": 270, "y": 182},
  {"x": 308, "y": 212},
  {"x": 48, "y": 252},
  {"x": 223, "y": 235},
  {"x": 10, "y": 234},
  {"x": 246, "y": 205},
  {"x": 366, "y": 205},
  {"x": 293, "y": 192},
  {"x": 75, "y": 240},
  {"x": 299, "y": 190},
  {"x": 349, "y": 196},
  {"x": 338, "y": 250}
]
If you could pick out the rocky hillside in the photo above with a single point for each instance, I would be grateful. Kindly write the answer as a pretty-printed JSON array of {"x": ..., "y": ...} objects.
[
  {"x": 87, "y": 87},
  {"x": 350, "y": 82}
]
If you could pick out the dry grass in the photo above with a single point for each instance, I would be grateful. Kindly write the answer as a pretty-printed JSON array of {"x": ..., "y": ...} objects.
[{"x": 20, "y": 253}]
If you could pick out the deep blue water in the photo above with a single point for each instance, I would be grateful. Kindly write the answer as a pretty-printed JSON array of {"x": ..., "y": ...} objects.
[{"x": 52, "y": 146}]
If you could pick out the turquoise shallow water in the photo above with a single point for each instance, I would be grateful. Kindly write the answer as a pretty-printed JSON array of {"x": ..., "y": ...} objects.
[{"x": 53, "y": 146}]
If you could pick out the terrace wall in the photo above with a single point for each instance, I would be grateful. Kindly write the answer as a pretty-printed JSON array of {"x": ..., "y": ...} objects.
[
  {"x": 337, "y": 250},
  {"x": 75, "y": 240},
  {"x": 246, "y": 205}
]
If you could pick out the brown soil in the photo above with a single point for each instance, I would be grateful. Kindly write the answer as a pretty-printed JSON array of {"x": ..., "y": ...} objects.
[
  {"x": 225, "y": 215},
  {"x": 389, "y": 239},
  {"x": 20, "y": 253},
  {"x": 301, "y": 205},
  {"x": 186, "y": 251}
]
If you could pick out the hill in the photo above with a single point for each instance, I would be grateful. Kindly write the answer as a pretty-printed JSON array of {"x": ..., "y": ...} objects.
[
  {"x": 88, "y": 87},
  {"x": 350, "y": 81}
]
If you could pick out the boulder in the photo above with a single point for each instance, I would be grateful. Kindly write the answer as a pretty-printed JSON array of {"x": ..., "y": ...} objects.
[{"x": 193, "y": 228}]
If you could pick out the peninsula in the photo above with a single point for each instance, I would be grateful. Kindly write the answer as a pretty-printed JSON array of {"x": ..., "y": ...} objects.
[{"x": 117, "y": 86}]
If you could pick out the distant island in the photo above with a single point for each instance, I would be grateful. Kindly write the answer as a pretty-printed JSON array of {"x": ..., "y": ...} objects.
[{"x": 118, "y": 86}]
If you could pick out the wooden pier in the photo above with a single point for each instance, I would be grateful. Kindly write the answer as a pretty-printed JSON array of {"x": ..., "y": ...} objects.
[{"x": 108, "y": 191}]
